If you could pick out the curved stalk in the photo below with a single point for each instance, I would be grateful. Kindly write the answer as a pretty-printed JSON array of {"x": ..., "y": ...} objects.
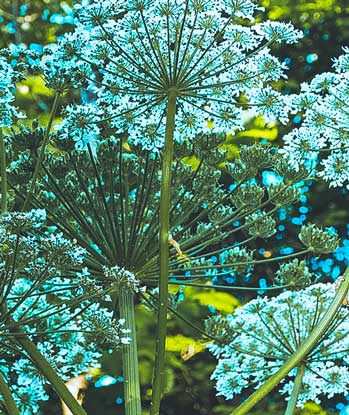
[
  {"x": 291, "y": 406},
  {"x": 303, "y": 350},
  {"x": 3, "y": 174},
  {"x": 46, "y": 369},
  {"x": 42, "y": 153},
  {"x": 132, "y": 394},
  {"x": 159, "y": 369},
  {"x": 7, "y": 396}
]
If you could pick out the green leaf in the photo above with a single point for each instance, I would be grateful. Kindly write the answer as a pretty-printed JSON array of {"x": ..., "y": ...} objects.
[
  {"x": 35, "y": 85},
  {"x": 270, "y": 134},
  {"x": 187, "y": 346},
  {"x": 311, "y": 408},
  {"x": 223, "y": 302}
]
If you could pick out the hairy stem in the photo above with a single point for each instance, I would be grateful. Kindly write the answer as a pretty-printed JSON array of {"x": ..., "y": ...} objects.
[
  {"x": 3, "y": 174},
  {"x": 291, "y": 406},
  {"x": 46, "y": 369},
  {"x": 304, "y": 349},
  {"x": 42, "y": 153},
  {"x": 132, "y": 392},
  {"x": 7, "y": 396},
  {"x": 159, "y": 369}
]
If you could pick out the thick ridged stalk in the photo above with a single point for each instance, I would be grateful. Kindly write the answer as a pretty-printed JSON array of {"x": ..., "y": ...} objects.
[
  {"x": 159, "y": 369},
  {"x": 132, "y": 394},
  {"x": 8, "y": 398},
  {"x": 303, "y": 351},
  {"x": 46, "y": 369},
  {"x": 291, "y": 406},
  {"x": 3, "y": 174},
  {"x": 41, "y": 157}
]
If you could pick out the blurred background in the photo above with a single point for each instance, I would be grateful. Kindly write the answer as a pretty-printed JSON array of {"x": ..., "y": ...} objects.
[{"x": 325, "y": 23}]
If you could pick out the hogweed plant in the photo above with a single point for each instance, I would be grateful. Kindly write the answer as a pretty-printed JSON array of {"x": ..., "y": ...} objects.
[
  {"x": 161, "y": 71},
  {"x": 167, "y": 81}
]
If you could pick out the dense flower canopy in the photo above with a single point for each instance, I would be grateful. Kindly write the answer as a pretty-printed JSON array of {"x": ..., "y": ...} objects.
[{"x": 133, "y": 57}]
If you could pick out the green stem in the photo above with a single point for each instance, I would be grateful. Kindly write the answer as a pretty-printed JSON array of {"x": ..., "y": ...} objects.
[
  {"x": 3, "y": 174},
  {"x": 7, "y": 396},
  {"x": 132, "y": 392},
  {"x": 46, "y": 369},
  {"x": 229, "y": 287},
  {"x": 302, "y": 352},
  {"x": 159, "y": 369},
  {"x": 41, "y": 157},
  {"x": 291, "y": 406}
]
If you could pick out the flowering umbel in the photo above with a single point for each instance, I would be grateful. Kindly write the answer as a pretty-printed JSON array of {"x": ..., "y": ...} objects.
[
  {"x": 138, "y": 54},
  {"x": 267, "y": 331}
]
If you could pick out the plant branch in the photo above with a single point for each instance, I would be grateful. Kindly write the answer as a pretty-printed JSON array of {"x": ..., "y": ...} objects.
[
  {"x": 291, "y": 406},
  {"x": 7, "y": 396},
  {"x": 3, "y": 174},
  {"x": 42, "y": 153},
  {"x": 159, "y": 369},
  {"x": 132, "y": 392},
  {"x": 46, "y": 369}
]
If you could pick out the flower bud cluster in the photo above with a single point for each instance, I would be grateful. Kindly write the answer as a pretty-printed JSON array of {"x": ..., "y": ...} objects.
[
  {"x": 106, "y": 332},
  {"x": 294, "y": 275},
  {"x": 318, "y": 240}
]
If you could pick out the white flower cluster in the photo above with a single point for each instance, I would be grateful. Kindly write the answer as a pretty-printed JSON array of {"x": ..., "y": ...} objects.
[
  {"x": 121, "y": 279},
  {"x": 8, "y": 78},
  {"x": 267, "y": 331},
  {"x": 58, "y": 73},
  {"x": 67, "y": 352},
  {"x": 322, "y": 138},
  {"x": 144, "y": 51},
  {"x": 15, "y": 222}
]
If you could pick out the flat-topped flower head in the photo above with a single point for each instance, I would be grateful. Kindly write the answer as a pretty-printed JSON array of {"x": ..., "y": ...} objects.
[
  {"x": 143, "y": 52},
  {"x": 266, "y": 332}
]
